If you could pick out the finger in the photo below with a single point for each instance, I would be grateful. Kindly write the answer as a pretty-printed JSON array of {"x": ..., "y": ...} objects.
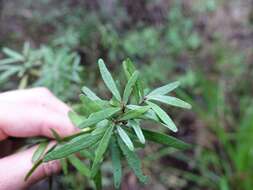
[
  {"x": 58, "y": 105},
  {"x": 2, "y": 135},
  {"x": 15, "y": 167},
  {"x": 27, "y": 121},
  {"x": 35, "y": 96}
]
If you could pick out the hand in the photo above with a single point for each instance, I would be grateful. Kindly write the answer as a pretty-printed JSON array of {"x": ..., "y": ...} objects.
[{"x": 28, "y": 113}]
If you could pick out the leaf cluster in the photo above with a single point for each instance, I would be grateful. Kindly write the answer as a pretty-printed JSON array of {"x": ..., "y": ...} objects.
[
  {"x": 45, "y": 66},
  {"x": 23, "y": 65},
  {"x": 113, "y": 127}
]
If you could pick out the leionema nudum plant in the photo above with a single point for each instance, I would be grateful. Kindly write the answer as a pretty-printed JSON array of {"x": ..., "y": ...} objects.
[{"x": 111, "y": 128}]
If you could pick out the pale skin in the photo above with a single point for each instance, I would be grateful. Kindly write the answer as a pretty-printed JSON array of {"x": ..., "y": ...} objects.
[{"x": 29, "y": 113}]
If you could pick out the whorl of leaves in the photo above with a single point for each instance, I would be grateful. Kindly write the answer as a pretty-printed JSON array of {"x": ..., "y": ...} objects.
[{"x": 113, "y": 127}]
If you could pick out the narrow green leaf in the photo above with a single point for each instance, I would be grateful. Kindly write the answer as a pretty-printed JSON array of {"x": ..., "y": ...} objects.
[
  {"x": 50, "y": 150},
  {"x": 90, "y": 93},
  {"x": 26, "y": 48},
  {"x": 13, "y": 54},
  {"x": 170, "y": 101},
  {"x": 137, "y": 129},
  {"x": 98, "y": 116},
  {"x": 23, "y": 82},
  {"x": 8, "y": 61},
  {"x": 114, "y": 102},
  {"x": 56, "y": 135},
  {"x": 129, "y": 86},
  {"x": 90, "y": 105},
  {"x": 87, "y": 154},
  {"x": 34, "y": 167},
  {"x": 165, "y": 139},
  {"x": 98, "y": 180},
  {"x": 74, "y": 145},
  {"x": 102, "y": 147},
  {"x": 129, "y": 69},
  {"x": 163, "y": 116},
  {"x": 150, "y": 114},
  {"x": 116, "y": 163},
  {"x": 79, "y": 165},
  {"x": 100, "y": 127},
  {"x": 107, "y": 77},
  {"x": 8, "y": 73},
  {"x": 82, "y": 132},
  {"x": 75, "y": 118},
  {"x": 164, "y": 89},
  {"x": 5, "y": 67},
  {"x": 133, "y": 161},
  {"x": 64, "y": 166},
  {"x": 135, "y": 113},
  {"x": 39, "y": 151},
  {"x": 123, "y": 135},
  {"x": 134, "y": 138}
]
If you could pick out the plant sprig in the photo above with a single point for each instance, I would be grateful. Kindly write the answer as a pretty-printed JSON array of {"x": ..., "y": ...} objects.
[
  {"x": 45, "y": 66},
  {"x": 114, "y": 126}
]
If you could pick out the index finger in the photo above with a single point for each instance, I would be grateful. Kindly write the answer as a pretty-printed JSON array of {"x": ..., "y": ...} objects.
[{"x": 29, "y": 120}]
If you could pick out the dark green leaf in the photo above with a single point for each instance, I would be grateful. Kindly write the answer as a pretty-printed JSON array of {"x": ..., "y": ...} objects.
[
  {"x": 170, "y": 101},
  {"x": 135, "y": 113},
  {"x": 64, "y": 165},
  {"x": 134, "y": 138},
  {"x": 150, "y": 114},
  {"x": 129, "y": 87},
  {"x": 75, "y": 118},
  {"x": 163, "y": 116},
  {"x": 100, "y": 128},
  {"x": 98, "y": 180},
  {"x": 90, "y": 94},
  {"x": 165, "y": 139},
  {"x": 74, "y": 145},
  {"x": 133, "y": 161},
  {"x": 79, "y": 165},
  {"x": 98, "y": 116},
  {"x": 137, "y": 129},
  {"x": 82, "y": 132},
  {"x": 90, "y": 105},
  {"x": 107, "y": 77},
  {"x": 39, "y": 151},
  {"x": 35, "y": 166},
  {"x": 56, "y": 135},
  {"x": 116, "y": 163},
  {"x": 87, "y": 154},
  {"x": 102, "y": 147},
  {"x": 164, "y": 89},
  {"x": 123, "y": 135},
  {"x": 129, "y": 69}
]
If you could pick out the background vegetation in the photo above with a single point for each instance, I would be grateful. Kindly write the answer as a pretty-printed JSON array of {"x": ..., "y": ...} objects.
[{"x": 207, "y": 45}]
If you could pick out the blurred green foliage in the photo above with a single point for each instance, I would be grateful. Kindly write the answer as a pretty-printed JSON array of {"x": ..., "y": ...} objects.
[
  {"x": 169, "y": 41},
  {"x": 58, "y": 70}
]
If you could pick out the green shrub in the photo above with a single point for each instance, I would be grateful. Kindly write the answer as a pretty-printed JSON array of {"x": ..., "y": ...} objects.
[{"x": 44, "y": 66}]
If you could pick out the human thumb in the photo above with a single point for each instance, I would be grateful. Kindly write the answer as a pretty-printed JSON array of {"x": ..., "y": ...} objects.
[{"x": 15, "y": 167}]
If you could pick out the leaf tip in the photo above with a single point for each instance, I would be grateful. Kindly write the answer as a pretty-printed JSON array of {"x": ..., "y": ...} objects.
[
  {"x": 189, "y": 106},
  {"x": 174, "y": 129},
  {"x": 100, "y": 61}
]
